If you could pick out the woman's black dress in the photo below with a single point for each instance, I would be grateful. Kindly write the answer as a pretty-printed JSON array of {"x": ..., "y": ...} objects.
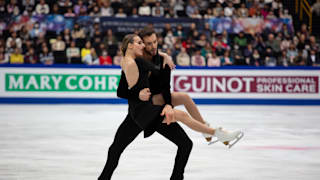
[{"x": 144, "y": 113}]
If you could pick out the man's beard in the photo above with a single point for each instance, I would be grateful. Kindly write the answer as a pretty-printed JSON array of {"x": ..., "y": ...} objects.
[{"x": 150, "y": 53}]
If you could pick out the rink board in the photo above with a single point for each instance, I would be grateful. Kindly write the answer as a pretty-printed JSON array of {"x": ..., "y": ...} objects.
[{"x": 97, "y": 85}]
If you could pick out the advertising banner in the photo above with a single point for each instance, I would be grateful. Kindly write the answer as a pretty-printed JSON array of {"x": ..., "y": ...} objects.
[{"x": 228, "y": 85}]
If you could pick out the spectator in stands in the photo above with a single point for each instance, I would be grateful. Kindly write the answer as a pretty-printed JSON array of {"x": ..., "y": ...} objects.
[
  {"x": 179, "y": 32},
  {"x": 283, "y": 60},
  {"x": 236, "y": 4},
  {"x": 42, "y": 8},
  {"x": 14, "y": 38},
  {"x": 299, "y": 60},
  {"x": 3, "y": 9},
  {"x": 169, "y": 40},
  {"x": 73, "y": 54},
  {"x": 197, "y": 59},
  {"x": 256, "y": 58},
  {"x": 213, "y": 36},
  {"x": 237, "y": 56},
  {"x": 95, "y": 11},
  {"x": 64, "y": 5},
  {"x": 219, "y": 46},
  {"x": 46, "y": 57},
  {"x": 265, "y": 11},
  {"x": 207, "y": 31},
  {"x": 80, "y": 8},
  {"x": 274, "y": 43},
  {"x": 157, "y": 8},
  {"x": 145, "y": 9},
  {"x": 120, "y": 13},
  {"x": 201, "y": 43},
  {"x": 313, "y": 59},
  {"x": 24, "y": 33},
  {"x": 117, "y": 58},
  {"x": 183, "y": 58},
  {"x": 13, "y": 8},
  {"x": 178, "y": 8},
  {"x": 276, "y": 6},
  {"x": 241, "y": 40},
  {"x": 313, "y": 44},
  {"x": 218, "y": 10},
  {"x": 247, "y": 53},
  {"x": 270, "y": 59},
  {"x": 111, "y": 43},
  {"x": 36, "y": 31},
  {"x": 292, "y": 53},
  {"x": 59, "y": 48},
  {"x": 207, "y": 49},
  {"x": 4, "y": 57},
  {"x": 258, "y": 43},
  {"x": 86, "y": 53},
  {"x": 285, "y": 43},
  {"x": 55, "y": 9},
  {"x": 69, "y": 13},
  {"x": 315, "y": 10},
  {"x": 213, "y": 60},
  {"x": 243, "y": 12},
  {"x": 106, "y": 9},
  {"x": 253, "y": 10},
  {"x": 191, "y": 8},
  {"x": 285, "y": 14},
  {"x": 105, "y": 59},
  {"x": 78, "y": 35},
  {"x": 170, "y": 14},
  {"x": 134, "y": 12},
  {"x": 229, "y": 11},
  {"x": 209, "y": 14},
  {"x": 3, "y": 60},
  {"x": 226, "y": 60},
  {"x": 67, "y": 36},
  {"x": 31, "y": 57}
]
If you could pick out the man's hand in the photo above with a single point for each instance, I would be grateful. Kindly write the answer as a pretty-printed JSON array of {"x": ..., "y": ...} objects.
[
  {"x": 169, "y": 115},
  {"x": 144, "y": 94},
  {"x": 167, "y": 60}
]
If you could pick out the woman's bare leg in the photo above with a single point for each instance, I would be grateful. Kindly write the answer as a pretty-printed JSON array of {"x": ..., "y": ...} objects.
[
  {"x": 180, "y": 98},
  {"x": 192, "y": 123}
]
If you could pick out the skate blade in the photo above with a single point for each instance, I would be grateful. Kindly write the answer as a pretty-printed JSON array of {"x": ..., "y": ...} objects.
[
  {"x": 212, "y": 142},
  {"x": 238, "y": 139}
]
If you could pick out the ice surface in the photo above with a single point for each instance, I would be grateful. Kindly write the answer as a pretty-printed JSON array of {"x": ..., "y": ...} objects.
[{"x": 70, "y": 142}]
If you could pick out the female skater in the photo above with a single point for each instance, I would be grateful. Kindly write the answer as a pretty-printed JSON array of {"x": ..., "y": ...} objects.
[{"x": 144, "y": 113}]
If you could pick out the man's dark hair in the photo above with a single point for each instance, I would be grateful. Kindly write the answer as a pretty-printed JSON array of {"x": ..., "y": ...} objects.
[{"x": 147, "y": 31}]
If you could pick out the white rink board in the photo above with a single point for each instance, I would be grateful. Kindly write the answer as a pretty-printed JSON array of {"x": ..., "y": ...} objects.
[{"x": 76, "y": 84}]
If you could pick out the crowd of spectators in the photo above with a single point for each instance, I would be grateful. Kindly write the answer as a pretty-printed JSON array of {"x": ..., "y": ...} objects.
[{"x": 193, "y": 46}]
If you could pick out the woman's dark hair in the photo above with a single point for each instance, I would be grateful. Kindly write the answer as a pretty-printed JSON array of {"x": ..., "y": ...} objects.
[{"x": 126, "y": 40}]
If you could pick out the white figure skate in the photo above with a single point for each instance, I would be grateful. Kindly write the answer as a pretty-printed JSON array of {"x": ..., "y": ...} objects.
[{"x": 227, "y": 138}]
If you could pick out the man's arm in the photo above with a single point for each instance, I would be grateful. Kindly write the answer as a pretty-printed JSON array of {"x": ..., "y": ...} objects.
[{"x": 165, "y": 85}]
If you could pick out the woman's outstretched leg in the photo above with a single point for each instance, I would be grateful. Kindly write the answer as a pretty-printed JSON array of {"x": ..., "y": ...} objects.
[
  {"x": 222, "y": 135},
  {"x": 179, "y": 98},
  {"x": 192, "y": 123}
]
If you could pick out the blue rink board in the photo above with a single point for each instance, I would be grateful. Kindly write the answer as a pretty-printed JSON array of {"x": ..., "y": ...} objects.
[{"x": 6, "y": 100}]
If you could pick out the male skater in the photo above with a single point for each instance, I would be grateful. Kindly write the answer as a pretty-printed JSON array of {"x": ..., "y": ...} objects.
[{"x": 129, "y": 130}]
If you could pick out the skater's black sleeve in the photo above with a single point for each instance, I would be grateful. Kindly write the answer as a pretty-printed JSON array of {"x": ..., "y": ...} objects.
[
  {"x": 165, "y": 84},
  {"x": 123, "y": 89}
]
